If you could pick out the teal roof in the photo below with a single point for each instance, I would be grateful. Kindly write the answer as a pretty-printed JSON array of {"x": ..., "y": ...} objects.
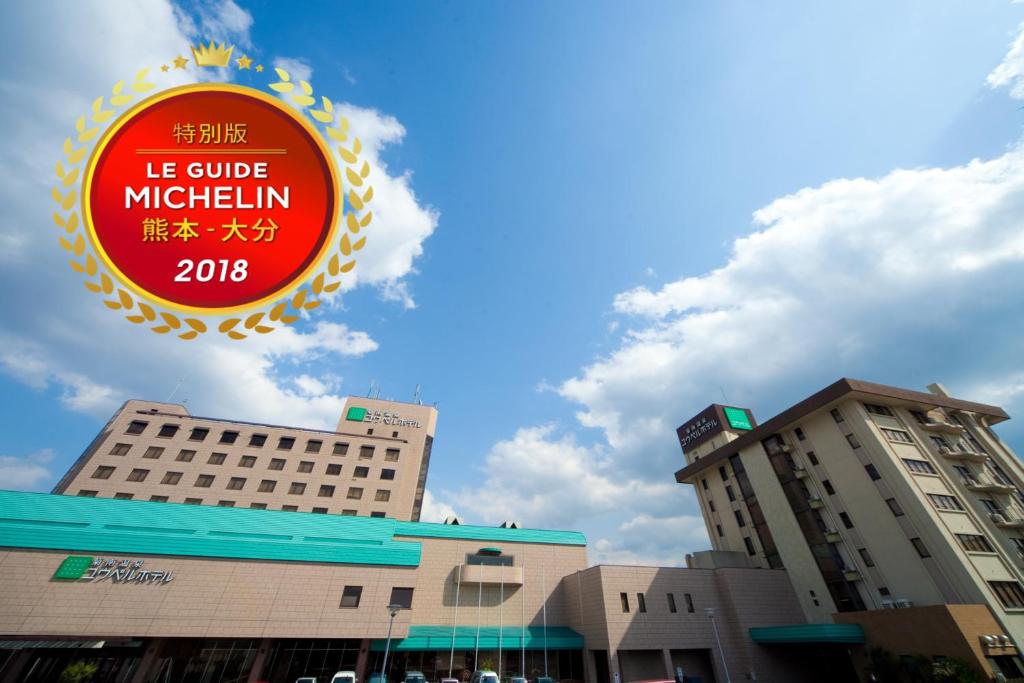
[
  {"x": 808, "y": 633},
  {"x": 465, "y": 638},
  {"x": 106, "y": 525}
]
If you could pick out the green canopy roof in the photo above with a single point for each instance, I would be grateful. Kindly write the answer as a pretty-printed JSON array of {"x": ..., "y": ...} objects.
[
  {"x": 465, "y": 638},
  {"x": 808, "y": 633}
]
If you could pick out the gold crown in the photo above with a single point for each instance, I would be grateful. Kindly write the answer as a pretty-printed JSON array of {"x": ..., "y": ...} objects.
[{"x": 212, "y": 55}]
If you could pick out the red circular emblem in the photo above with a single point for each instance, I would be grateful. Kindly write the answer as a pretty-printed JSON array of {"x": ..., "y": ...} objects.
[{"x": 211, "y": 197}]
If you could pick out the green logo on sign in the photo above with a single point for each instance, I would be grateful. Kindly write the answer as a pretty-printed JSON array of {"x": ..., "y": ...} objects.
[
  {"x": 737, "y": 418},
  {"x": 73, "y": 568},
  {"x": 356, "y": 414}
]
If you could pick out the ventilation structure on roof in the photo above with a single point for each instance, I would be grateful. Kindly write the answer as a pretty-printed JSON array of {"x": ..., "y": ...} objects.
[
  {"x": 510, "y": 524},
  {"x": 453, "y": 519}
]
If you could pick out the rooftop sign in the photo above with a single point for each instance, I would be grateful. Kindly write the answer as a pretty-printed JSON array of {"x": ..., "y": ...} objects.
[
  {"x": 358, "y": 414},
  {"x": 711, "y": 421}
]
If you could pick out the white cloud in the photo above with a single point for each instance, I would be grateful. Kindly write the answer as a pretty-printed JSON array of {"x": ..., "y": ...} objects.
[
  {"x": 26, "y": 473},
  {"x": 298, "y": 69},
  {"x": 223, "y": 21},
  {"x": 1010, "y": 72},
  {"x": 434, "y": 510}
]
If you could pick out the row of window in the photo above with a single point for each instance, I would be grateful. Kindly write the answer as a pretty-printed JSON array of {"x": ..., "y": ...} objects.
[
  {"x": 186, "y": 455},
  {"x": 229, "y": 436},
  {"x": 641, "y": 602},
  {"x": 400, "y": 597},
  {"x": 237, "y": 483},
  {"x": 85, "y": 493}
]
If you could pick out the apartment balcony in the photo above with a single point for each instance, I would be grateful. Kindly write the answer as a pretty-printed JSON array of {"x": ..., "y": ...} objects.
[
  {"x": 851, "y": 574},
  {"x": 816, "y": 502},
  {"x": 490, "y": 574},
  {"x": 942, "y": 427},
  {"x": 1007, "y": 519},
  {"x": 799, "y": 471},
  {"x": 833, "y": 536},
  {"x": 984, "y": 483},
  {"x": 961, "y": 455}
]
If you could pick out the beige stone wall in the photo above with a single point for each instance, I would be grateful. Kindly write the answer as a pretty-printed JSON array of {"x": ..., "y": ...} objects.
[
  {"x": 400, "y": 492},
  {"x": 231, "y": 598}
]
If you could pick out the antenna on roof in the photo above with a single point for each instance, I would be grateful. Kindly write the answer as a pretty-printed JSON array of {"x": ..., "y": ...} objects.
[
  {"x": 416, "y": 395},
  {"x": 373, "y": 387},
  {"x": 724, "y": 398},
  {"x": 377, "y": 393},
  {"x": 175, "y": 390}
]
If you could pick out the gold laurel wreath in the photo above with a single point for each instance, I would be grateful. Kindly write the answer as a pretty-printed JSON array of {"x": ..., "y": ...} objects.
[{"x": 66, "y": 195}]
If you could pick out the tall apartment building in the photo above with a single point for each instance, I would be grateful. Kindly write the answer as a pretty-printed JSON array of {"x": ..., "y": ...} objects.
[
  {"x": 374, "y": 464},
  {"x": 872, "y": 497}
]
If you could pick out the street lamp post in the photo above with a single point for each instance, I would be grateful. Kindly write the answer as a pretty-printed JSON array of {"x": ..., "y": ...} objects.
[
  {"x": 710, "y": 611},
  {"x": 393, "y": 609}
]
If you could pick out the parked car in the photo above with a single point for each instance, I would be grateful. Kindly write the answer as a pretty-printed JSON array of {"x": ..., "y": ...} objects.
[
  {"x": 306, "y": 679},
  {"x": 377, "y": 678},
  {"x": 415, "y": 677},
  {"x": 343, "y": 677},
  {"x": 544, "y": 679},
  {"x": 484, "y": 677},
  {"x": 515, "y": 679},
  {"x": 449, "y": 680}
]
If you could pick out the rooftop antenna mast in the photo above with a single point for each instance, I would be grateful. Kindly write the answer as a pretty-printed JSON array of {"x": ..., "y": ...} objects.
[
  {"x": 175, "y": 389},
  {"x": 416, "y": 395},
  {"x": 373, "y": 388}
]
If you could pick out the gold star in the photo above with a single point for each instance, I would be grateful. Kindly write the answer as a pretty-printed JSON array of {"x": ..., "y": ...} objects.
[
  {"x": 180, "y": 62},
  {"x": 164, "y": 67},
  {"x": 244, "y": 62},
  {"x": 259, "y": 68}
]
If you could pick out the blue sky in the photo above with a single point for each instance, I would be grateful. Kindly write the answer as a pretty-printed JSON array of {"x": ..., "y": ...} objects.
[{"x": 608, "y": 216}]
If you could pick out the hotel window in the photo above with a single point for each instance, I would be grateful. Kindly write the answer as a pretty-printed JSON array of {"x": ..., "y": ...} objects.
[
  {"x": 750, "y": 546},
  {"x": 124, "y": 496},
  {"x": 641, "y": 604},
  {"x": 350, "y": 596},
  {"x": 204, "y": 481},
  {"x": 883, "y": 591},
  {"x": 1018, "y": 543},
  {"x": 348, "y": 513},
  {"x": 401, "y": 597},
  {"x": 852, "y": 440},
  {"x": 718, "y": 528},
  {"x": 730, "y": 493},
  {"x": 225, "y": 503},
  {"x": 866, "y": 557},
  {"x": 919, "y": 547},
  {"x": 267, "y": 486},
  {"x": 217, "y": 458},
  {"x": 391, "y": 455},
  {"x": 313, "y": 446},
  {"x": 290, "y": 508},
  {"x": 138, "y": 475},
  {"x": 387, "y": 474},
  {"x": 377, "y": 514},
  {"x": 365, "y": 452},
  {"x": 975, "y": 543},
  {"x": 897, "y": 435},
  {"x": 704, "y": 484},
  {"x": 258, "y": 506},
  {"x": 103, "y": 472},
  {"x": 990, "y": 505},
  {"x": 120, "y": 449},
  {"x": 171, "y": 478},
  {"x": 257, "y": 440},
  {"x": 247, "y": 461},
  {"x": 689, "y": 602},
  {"x": 800, "y": 436},
  {"x": 236, "y": 483},
  {"x": 711, "y": 505},
  {"x": 940, "y": 442},
  {"x": 276, "y": 464},
  {"x": 320, "y": 511},
  {"x": 199, "y": 434},
  {"x": 836, "y": 415},
  {"x": 326, "y": 491},
  {"x": 739, "y": 517},
  {"x": 228, "y": 437},
  {"x": 624, "y": 599},
  {"x": 340, "y": 448},
  {"x": 85, "y": 493},
  {"x": 355, "y": 493},
  {"x": 185, "y": 455},
  {"x": 919, "y": 466},
  {"x": 361, "y": 472},
  {"x": 285, "y": 443},
  {"x": 158, "y": 499},
  {"x": 872, "y": 472},
  {"x": 894, "y": 506},
  {"x": 671, "y": 603},
  {"x": 297, "y": 488},
  {"x": 306, "y": 466},
  {"x": 136, "y": 427},
  {"x": 1009, "y": 593},
  {"x": 919, "y": 416},
  {"x": 334, "y": 469},
  {"x": 827, "y": 485},
  {"x": 382, "y": 496},
  {"x": 876, "y": 409},
  {"x": 812, "y": 457},
  {"x": 847, "y": 522},
  {"x": 193, "y": 501},
  {"x": 370, "y": 430},
  {"x": 945, "y": 502},
  {"x": 153, "y": 452},
  {"x": 724, "y": 473}
]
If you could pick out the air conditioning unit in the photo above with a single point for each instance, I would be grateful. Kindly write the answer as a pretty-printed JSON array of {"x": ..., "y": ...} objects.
[
  {"x": 786, "y": 448},
  {"x": 997, "y": 518},
  {"x": 902, "y": 603},
  {"x": 944, "y": 450},
  {"x": 888, "y": 604}
]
